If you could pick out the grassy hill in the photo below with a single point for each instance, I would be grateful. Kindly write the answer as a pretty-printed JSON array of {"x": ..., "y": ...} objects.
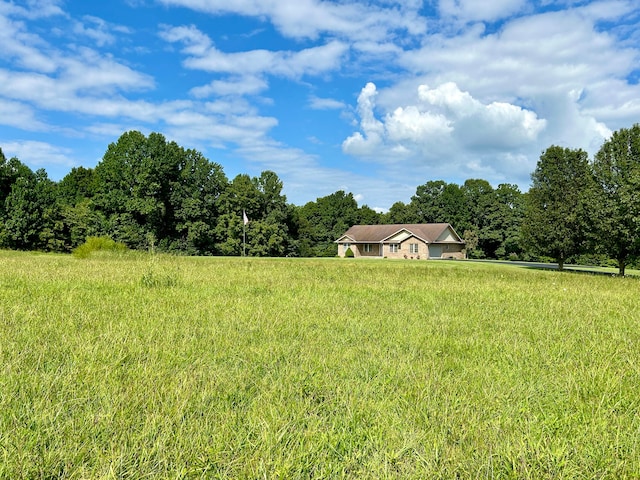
[{"x": 127, "y": 365}]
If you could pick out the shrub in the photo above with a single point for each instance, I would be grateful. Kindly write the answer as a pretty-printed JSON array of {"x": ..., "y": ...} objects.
[
  {"x": 349, "y": 253},
  {"x": 98, "y": 244}
]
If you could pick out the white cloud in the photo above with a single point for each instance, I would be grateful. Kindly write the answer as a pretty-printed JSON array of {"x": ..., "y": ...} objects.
[
  {"x": 413, "y": 126},
  {"x": 317, "y": 103},
  {"x": 196, "y": 42},
  {"x": 20, "y": 115},
  {"x": 473, "y": 10},
  {"x": 445, "y": 132},
  {"x": 555, "y": 51},
  {"x": 98, "y": 30},
  {"x": 310, "y": 18},
  {"x": 495, "y": 126},
  {"x": 32, "y": 9},
  {"x": 26, "y": 49},
  {"x": 373, "y": 129},
  {"x": 39, "y": 154},
  {"x": 294, "y": 64},
  {"x": 76, "y": 88},
  {"x": 235, "y": 86}
]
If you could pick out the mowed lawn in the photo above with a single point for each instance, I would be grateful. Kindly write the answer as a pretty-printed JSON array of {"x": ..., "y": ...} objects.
[{"x": 139, "y": 366}]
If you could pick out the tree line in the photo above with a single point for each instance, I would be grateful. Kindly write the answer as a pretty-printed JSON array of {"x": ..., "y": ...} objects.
[{"x": 148, "y": 192}]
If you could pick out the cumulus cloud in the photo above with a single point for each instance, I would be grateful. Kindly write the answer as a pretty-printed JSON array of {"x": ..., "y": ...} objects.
[
  {"x": 442, "y": 118},
  {"x": 497, "y": 125}
]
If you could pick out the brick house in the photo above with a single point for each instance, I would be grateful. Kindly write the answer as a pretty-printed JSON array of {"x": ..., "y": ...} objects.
[{"x": 410, "y": 241}]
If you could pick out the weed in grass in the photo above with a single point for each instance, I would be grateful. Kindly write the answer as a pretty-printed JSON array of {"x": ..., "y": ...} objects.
[{"x": 152, "y": 279}]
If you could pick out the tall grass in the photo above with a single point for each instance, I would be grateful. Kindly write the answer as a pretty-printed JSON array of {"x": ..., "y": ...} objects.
[{"x": 292, "y": 368}]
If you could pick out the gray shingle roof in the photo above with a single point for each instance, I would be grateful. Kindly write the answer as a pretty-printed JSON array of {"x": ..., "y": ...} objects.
[{"x": 377, "y": 233}]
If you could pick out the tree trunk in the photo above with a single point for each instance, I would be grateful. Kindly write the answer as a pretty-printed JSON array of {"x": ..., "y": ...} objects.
[
  {"x": 621, "y": 267},
  {"x": 561, "y": 264}
]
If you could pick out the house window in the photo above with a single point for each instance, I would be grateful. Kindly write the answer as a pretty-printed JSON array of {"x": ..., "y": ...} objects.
[
  {"x": 347, "y": 246},
  {"x": 413, "y": 248},
  {"x": 394, "y": 247},
  {"x": 368, "y": 248}
]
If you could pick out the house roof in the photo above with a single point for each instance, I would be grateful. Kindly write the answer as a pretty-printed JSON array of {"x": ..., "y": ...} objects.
[{"x": 428, "y": 232}]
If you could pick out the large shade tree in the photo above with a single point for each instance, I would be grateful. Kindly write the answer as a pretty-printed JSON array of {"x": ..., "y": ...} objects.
[
  {"x": 155, "y": 192},
  {"x": 616, "y": 169},
  {"x": 557, "y": 205},
  {"x": 32, "y": 218}
]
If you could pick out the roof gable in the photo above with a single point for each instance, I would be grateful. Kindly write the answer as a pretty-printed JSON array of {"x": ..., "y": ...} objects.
[
  {"x": 448, "y": 235},
  {"x": 345, "y": 238},
  {"x": 399, "y": 236}
]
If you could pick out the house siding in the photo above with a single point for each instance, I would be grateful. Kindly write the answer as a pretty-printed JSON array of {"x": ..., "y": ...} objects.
[{"x": 404, "y": 249}]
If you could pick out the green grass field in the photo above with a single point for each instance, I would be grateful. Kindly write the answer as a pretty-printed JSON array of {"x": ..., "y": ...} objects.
[{"x": 134, "y": 366}]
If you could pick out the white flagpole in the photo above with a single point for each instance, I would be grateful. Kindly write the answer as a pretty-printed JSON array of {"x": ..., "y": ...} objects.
[{"x": 245, "y": 220}]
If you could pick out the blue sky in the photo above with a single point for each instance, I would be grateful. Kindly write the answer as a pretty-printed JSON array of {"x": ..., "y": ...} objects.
[{"x": 374, "y": 98}]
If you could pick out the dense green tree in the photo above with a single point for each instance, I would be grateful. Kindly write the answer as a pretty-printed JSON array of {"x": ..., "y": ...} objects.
[
  {"x": 504, "y": 221},
  {"x": 242, "y": 195},
  {"x": 616, "y": 210},
  {"x": 439, "y": 202},
  {"x": 228, "y": 234},
  {"x": 10, "y": 171},
  {"x": 133, "y": 185},
  {"x": 81, "y": 221},
  {"x": 428, "y": 202},
  {"x": 32, "y": 219},
  {"x": 272, "y": 235},
  {"x": 270, "y": 188},
  {"x": 495, "y": 216},
  {"x": 79, "y": 184},
  {"x": 74, "y": 194},
  {"x": 478, "y": 200},
  {"x": 272, "y": 227},
  {"x": 196, "y": 202},
  {"x": 368, "y": 216},
  {"x": 400, "y": 213},
  {"x": 323, "y": 221},
  {"x": 557, "y": 205}
]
